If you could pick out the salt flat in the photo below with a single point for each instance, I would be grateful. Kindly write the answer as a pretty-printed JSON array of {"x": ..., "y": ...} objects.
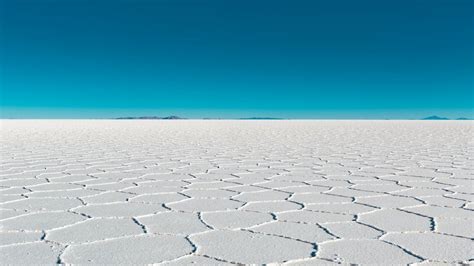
[{"x": 227, "y": 192}]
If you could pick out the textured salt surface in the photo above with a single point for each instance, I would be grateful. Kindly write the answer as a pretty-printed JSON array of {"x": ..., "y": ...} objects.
[{"x": 227, "y": 192}]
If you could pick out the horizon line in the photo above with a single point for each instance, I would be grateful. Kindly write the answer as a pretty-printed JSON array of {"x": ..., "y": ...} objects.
[{"x": 254, "y": 119}]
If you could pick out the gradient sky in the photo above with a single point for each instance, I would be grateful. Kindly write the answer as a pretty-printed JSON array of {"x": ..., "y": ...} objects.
[{"x": 214, "y": 58}]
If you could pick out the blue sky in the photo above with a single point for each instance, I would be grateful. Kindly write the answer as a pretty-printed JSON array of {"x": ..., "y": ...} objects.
[{"x": 203, "y": 58}]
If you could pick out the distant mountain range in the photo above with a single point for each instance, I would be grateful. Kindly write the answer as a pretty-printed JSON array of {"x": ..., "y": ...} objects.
[
  {"x": 435, "y": 117},
  {"x": 172, "y": 117},
  {"x": 261, "y": 118}
]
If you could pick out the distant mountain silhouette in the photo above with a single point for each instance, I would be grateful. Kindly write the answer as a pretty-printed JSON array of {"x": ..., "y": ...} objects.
[
  {"x": 260, "y": 118},
  {"x": 435, "y": 117},
  {"x": 171, "y": 117},
  {"x": 463, "y": 118}
]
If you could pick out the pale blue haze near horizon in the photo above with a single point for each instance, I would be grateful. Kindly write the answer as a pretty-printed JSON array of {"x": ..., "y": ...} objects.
[{"x": 365, "y": 59}]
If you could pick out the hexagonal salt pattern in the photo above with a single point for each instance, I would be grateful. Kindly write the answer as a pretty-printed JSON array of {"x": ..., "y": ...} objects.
[{"x": 236, "y": 192}]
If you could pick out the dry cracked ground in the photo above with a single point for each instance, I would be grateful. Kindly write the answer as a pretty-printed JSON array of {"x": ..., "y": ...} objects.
[{"x": 230, "y": 192}]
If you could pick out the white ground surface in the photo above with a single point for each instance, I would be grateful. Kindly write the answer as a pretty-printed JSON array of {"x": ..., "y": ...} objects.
[{"x": 224, "y": 192}]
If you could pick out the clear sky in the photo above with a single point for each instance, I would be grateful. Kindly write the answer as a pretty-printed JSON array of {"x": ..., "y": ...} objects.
[{"x": 215, "y": 58}]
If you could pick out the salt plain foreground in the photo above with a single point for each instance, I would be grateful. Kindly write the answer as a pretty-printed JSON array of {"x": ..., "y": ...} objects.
[{"x": 225, "y": 192}]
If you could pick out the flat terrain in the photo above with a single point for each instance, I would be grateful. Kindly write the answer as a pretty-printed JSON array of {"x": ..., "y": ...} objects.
[{"x": 226, "y": 192}]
